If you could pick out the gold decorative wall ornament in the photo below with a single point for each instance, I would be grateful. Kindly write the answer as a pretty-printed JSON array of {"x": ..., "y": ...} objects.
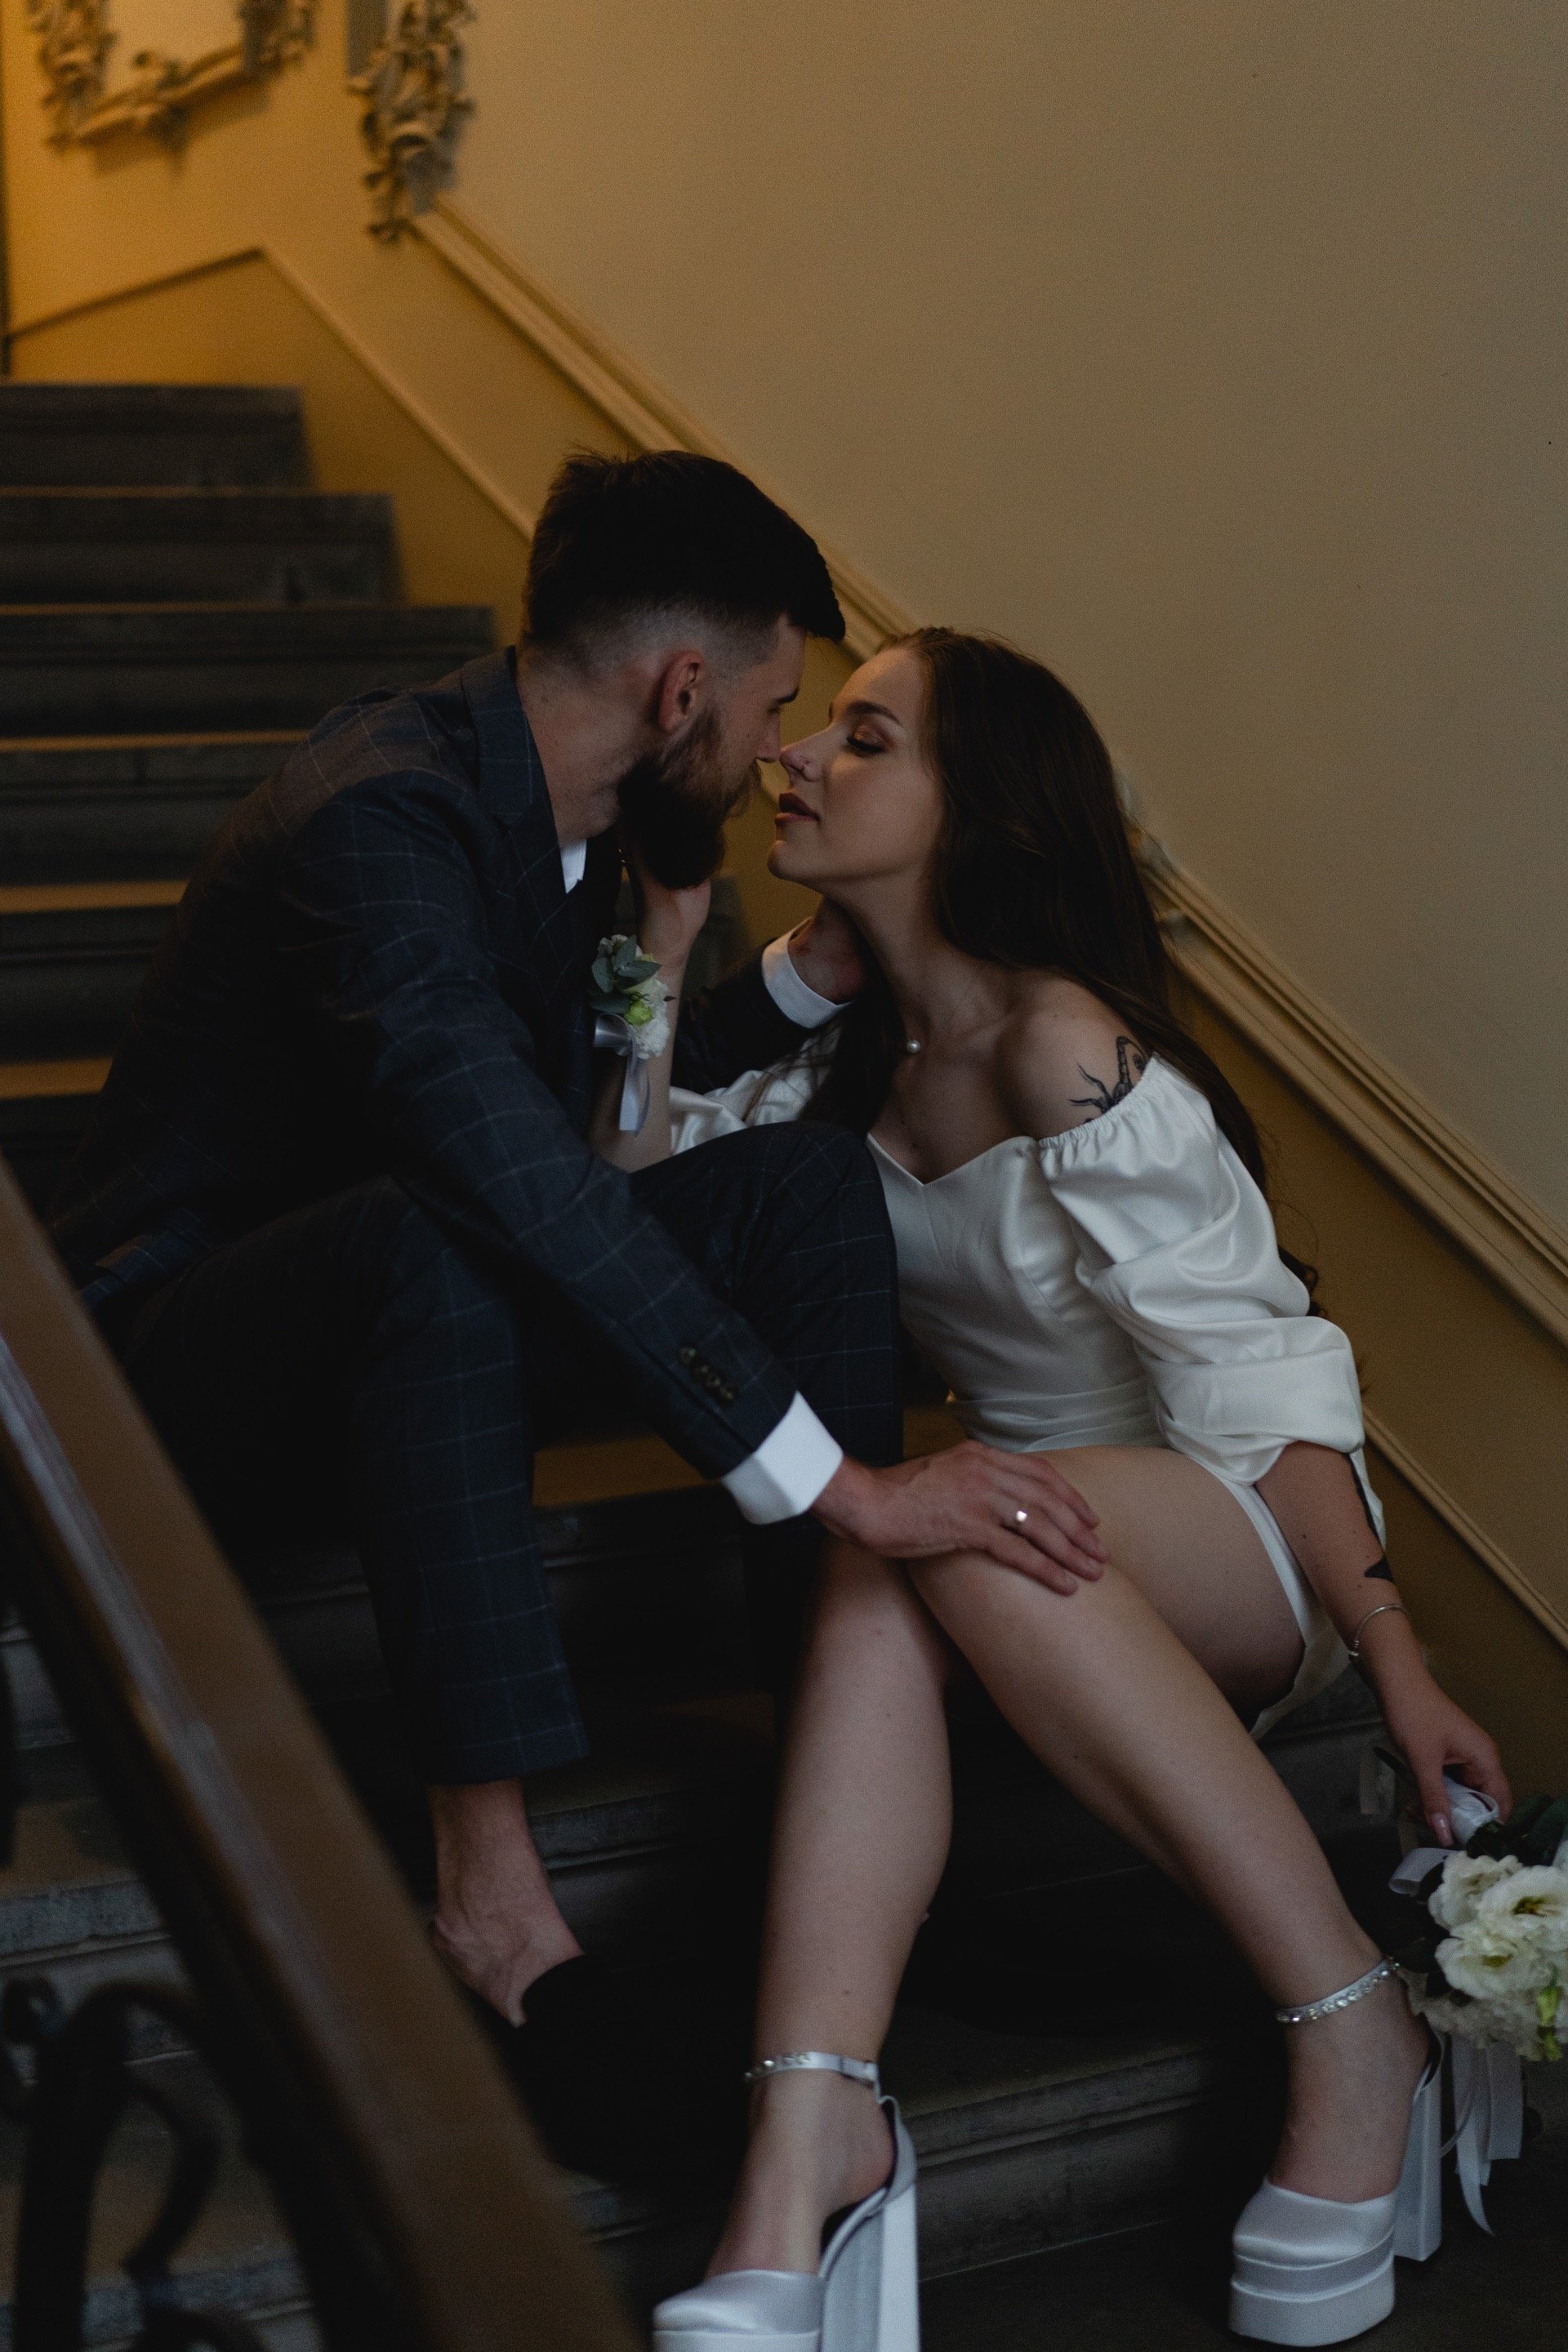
[
  {"x": 75, "y": 38},
  {"x": 414, "y": 109}
]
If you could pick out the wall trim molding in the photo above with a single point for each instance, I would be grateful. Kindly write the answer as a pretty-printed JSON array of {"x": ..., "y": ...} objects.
[
  {"x": 1469, "y": 1531},
  {"x": 648, "y": 417},
  {"x": 1480, "y": 1207},
  {"x": 391, "y": 383},
  {"x": 42, "y": 319}
]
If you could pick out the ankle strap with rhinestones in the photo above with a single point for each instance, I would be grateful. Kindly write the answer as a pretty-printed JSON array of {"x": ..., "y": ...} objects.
[
  {"x": 817, "y": 2062},
  {"x": 1311, "y": 2010}
]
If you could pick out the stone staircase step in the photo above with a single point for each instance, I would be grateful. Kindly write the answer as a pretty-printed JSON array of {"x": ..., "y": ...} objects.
[
  {"x": 663, "y": 1826},
  {"x": 120, "y": 808},
  {"x": 654, "y": 1838},
  {"x": 72, "y": 957},
  {"x": 176, "y": 546},
  {"x": 1025, "y": 2143},
  {"x": 196, "y": 436},
  {"x": 647, "y": 1588},
  {"x": 182, "y": 667}
]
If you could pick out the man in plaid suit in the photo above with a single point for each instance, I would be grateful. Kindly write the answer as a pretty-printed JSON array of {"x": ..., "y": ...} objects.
[{"x": 340, "y": 1211}]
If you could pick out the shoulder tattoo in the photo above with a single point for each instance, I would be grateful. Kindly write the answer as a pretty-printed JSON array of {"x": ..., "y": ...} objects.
[{"x": 1131, "y": 1066}]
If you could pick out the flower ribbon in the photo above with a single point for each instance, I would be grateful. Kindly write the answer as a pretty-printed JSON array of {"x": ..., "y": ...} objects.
[{"x": 613, "y": 1033}]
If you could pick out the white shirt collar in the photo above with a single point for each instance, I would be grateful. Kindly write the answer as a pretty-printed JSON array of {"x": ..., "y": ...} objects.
[{"x": 574, "y": 863}]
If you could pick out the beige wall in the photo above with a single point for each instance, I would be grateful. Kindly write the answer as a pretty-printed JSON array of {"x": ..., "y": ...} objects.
[{"x": 1215, "y": 351}]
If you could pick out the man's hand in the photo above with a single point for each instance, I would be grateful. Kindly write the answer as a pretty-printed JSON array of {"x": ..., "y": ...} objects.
[
  {"x": 826, "y": 953},
  {"x": 1015, "y": 1507}
]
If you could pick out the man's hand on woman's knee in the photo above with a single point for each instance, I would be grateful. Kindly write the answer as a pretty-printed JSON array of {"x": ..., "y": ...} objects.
[{"x": 1015, "y": 1507}]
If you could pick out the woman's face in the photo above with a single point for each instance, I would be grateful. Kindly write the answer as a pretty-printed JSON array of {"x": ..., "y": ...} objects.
[{"x": 859, "y": 803}]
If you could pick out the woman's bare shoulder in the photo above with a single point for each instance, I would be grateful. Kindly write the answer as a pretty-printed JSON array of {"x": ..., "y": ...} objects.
[{"x": 1063, "y": 1057}]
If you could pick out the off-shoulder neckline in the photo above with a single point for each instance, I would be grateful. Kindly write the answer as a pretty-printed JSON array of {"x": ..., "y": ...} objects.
[{"x": 1156, "y": 1067}]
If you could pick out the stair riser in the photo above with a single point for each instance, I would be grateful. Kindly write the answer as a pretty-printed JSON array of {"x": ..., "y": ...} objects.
[
  {"x": 177, "y": 696},
  {"x": 992, "y": 2204},
  {"x": 1021, "y": 2186},
  {"x": 65, "y": 1005},
  {"x": 111, "y": 460},
  {"x": 174, "y": 572},
  {"x": 190, "y": 437},
  {"x": 659, "y": 1895},
  {"x": 147, "y": 835}
]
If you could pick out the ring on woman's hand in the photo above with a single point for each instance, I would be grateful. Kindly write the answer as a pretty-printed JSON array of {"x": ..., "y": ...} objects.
[{"x": 1021, "y": 1517}]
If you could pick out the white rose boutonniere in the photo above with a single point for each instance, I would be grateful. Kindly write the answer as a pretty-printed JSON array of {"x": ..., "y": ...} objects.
[{"x": 631, "y": 1018}]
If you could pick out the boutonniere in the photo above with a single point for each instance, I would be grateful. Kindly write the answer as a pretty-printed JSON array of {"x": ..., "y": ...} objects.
[{"x": 629, "y": 1004}]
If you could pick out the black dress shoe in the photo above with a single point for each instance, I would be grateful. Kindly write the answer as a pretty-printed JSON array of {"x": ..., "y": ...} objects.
[{"x": 612, "y": 2081}]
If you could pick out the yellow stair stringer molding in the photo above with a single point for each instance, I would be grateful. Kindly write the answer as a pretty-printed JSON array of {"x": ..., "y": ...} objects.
[
  {"x": 645, "y": 414},
  {"x": 1463, "y": 1191},
  {"x": 1469, "y": 1529}
]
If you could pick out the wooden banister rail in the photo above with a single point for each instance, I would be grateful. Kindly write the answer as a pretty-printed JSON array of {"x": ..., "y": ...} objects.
[{"x": 424, "y": 2217}]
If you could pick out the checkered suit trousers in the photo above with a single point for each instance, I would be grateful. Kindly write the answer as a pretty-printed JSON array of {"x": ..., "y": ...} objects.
[{"x": 354, "y": 1363}]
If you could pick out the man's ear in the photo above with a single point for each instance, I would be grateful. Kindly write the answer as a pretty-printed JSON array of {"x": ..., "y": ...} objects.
[{"x": 680, "y": 689}]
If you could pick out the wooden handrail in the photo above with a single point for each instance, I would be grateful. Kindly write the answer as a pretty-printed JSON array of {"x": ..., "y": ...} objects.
[{"x": 424, "y": 2215}]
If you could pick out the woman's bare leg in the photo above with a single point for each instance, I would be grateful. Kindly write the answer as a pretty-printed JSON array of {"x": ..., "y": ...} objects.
[
  {"x": 1120, "y": 1709},
  {"x": 861, "y": 1838}
]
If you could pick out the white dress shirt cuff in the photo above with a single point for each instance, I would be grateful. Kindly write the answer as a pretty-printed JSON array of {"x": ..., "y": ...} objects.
[
  {"x": 788, "y": 1470},
  {"x": 794, "y": 1000}
]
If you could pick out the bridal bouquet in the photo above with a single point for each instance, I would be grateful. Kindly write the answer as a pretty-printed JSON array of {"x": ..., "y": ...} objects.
[
  {"x": 627, "y": 987},
  {"x": 1490, "y": 1960}
]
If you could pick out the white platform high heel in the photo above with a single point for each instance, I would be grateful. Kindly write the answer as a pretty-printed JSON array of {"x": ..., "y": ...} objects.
[
  {"x": 1310, "y": 2270},
  {"x": 864, "y": 2295}
]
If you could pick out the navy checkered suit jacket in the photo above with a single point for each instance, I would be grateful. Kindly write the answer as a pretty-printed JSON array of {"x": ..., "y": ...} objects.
[{"x": 377, "y": 972}]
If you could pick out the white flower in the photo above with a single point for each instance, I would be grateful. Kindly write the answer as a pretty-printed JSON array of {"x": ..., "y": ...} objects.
[
  {"x": 1483, "y": 1962},
  {"x": 1466, "y": 1879},
  {"x": 650, "y": 1034},
  {"x": 1513, "y": 2018},
  {"x": 1531, "y": 1907}
]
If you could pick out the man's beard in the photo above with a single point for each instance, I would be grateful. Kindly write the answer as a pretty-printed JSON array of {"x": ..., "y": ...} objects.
[{"x": 675, "y": 804}]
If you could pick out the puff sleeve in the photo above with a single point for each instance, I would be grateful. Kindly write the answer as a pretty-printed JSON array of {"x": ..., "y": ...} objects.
[
  {"x": 1176, "y": 1244},
  {"x": 756, "y": 1098}
]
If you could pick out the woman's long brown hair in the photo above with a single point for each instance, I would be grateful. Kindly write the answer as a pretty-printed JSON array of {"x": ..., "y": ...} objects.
[{"x": 1035, "y": 872}]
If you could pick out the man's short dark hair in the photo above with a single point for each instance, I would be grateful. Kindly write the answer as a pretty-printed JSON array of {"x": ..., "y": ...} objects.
[{"x": 624, "y": 538}]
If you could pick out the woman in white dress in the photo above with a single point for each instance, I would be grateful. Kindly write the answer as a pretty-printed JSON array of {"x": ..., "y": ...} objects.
[{"x": 1086, "y": 1253}]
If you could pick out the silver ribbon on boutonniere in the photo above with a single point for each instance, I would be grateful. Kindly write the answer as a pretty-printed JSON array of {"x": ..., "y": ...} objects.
[{"x": 630, "y": 1018}]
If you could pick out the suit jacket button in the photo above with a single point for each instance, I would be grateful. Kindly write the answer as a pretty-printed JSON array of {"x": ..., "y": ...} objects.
[{"x": 686, "y": 1356}]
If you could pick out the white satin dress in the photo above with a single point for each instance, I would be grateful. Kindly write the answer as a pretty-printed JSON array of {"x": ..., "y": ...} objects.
[{"x": 1117, "y": 1285}]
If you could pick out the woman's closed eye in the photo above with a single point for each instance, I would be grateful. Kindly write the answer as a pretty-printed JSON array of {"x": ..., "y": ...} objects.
[{"x": 863, "y": 744}]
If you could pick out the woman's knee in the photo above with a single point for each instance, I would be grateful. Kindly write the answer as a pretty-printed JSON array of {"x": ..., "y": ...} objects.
[{"x": 858, "y": 1590}]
